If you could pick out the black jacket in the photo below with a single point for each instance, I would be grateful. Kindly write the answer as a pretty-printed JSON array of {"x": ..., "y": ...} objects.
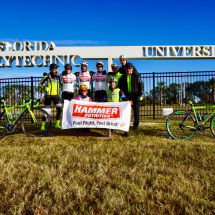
[
  {"x": 122, "y": 70},
  {"x": 136, "y": 84}
]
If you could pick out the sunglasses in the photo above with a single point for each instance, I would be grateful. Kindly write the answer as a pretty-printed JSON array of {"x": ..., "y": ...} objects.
[
  {"x": 115, "y": 67},
  {"x": 122, "y": 59},
  {"x": 130, "y": 68},
  {"x": 68, "y": 68},
  {"x": 83, "y": 90},
  {"x": 83, "y": 66},
  {"x": 99, "y": 66}
]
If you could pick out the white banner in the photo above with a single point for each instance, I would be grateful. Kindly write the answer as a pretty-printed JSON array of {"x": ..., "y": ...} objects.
[{"x": 110, "y": 115}]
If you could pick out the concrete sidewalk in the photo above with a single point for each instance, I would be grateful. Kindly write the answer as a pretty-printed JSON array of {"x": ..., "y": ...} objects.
[{"x": 148, "y": 123}]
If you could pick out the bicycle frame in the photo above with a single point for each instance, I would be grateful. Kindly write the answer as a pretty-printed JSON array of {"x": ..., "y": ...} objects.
[
  {"x": 193, "y": 109},
  {"x": 26, "y": 107}
]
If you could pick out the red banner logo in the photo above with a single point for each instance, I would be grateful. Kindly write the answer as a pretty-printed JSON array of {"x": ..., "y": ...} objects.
[{"x": 96, "y": 112}]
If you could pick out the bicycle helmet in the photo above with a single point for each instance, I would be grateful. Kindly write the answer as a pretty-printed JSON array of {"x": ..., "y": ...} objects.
[
  {"x": 122, "y": 57},
  {"x": 112, "y": 79},
  {"x": 99, "y": 62},
  {"x": 68, "y": 66},
  {"x": 83, "y": 87},
  {"x": 53, "y": 65},
  {"x": 114, "y": 65},
  {"x": 84, "y": 63}
]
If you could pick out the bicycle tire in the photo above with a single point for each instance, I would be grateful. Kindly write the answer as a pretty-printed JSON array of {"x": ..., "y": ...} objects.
[
  {"x": 32, "y": 129},
  {"x": 3, "y": 121},
  {"x": 212, "y": 125},
  {"x": 178, "y": 129}
]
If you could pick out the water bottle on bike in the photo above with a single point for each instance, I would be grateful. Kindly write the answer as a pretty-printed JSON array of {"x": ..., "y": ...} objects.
[
  {"x": 205, "y": 116},
  {"x": 199, "y": 116}
]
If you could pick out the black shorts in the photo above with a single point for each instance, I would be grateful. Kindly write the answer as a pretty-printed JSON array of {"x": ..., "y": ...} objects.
[
  {"x": 55, "y": 99},
  {"x": 100, "y": 94},
  {"x": 67, "y": 95}
]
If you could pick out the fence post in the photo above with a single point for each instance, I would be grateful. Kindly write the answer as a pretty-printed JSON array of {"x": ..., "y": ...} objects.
[
  {"x": 32, "y": 91},
  {"x": 91, "y": 91},
  {"x": 153, "y": 95}
]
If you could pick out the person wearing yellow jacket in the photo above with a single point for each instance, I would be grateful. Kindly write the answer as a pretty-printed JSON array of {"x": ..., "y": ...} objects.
[{"x": 51, "y": 83}]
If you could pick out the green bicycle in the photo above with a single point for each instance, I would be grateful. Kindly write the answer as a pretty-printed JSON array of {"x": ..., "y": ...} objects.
[
  {"x": 182, "y": 125},
  {"x": 35, "y": 122}
]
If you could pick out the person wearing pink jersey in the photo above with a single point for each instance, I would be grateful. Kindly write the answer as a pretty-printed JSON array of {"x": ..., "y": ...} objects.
[{"x": 83, "y": 97}]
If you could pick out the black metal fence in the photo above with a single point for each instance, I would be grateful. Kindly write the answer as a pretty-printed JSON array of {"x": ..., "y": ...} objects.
[
  {"x": 161, "y": 90},
  {"x": 166, "y": 90}
]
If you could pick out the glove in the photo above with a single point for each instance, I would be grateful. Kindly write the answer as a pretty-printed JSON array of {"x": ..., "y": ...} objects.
[
  {"x": 44, "y": 74},
  {"x": 131, "y": 102},
  {"x": 104, "y": 99},
  {"x": 47, "y": 89}
]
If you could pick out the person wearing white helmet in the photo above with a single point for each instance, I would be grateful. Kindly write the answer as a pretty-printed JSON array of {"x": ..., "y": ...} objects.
[
  {"x": 115, "y": 73},
  {"x": 68, "y": 79},
  {"x": 100, "y": 78},
  {"x": 123, "y": 61},
  {"x": 84, "y": 77}
]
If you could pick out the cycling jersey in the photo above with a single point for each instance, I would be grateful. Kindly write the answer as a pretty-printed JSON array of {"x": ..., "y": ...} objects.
[
  {"x": 52, "y": 82},
  {"x": 68, "y": 82},
  {"x": 86, "y": 99},
  {"x": 100, "y": 80},
  {"x": 84, "y": 78},
  {"x": 115, "y": 95}
]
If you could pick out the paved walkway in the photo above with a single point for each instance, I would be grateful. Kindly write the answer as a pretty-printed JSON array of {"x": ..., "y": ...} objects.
[{"x": 147, "y": 123}]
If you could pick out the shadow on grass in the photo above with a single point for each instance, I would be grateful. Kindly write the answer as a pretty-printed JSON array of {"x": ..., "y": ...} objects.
[
  {"x": 70, "y": 132},
  {"x": 143, "y": 130},
  {"x": 53, "y": 132}
]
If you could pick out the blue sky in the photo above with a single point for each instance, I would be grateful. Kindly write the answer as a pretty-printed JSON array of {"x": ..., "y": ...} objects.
[{"x": 111, "y": 23}]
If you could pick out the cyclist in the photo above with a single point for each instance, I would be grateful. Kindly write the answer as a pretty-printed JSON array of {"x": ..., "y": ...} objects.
[
  {"x": 84, "y": 77},
  {"x": 100, "y": 78},
  {"x": 83, "y": 97},
  {"x": 51, "y": 84},
  {"x": 83, "y": 94},
  {"x": 115, "y": 94},
  {"x": 123, "y": 61},
  {"x": 115, "y": 73},
  {"x": 132, "y": 86},
  {"x": 68, "y": 79}
]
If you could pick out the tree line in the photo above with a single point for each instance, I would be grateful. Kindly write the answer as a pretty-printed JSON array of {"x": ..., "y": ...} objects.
[{"x": 198, "y": 92}]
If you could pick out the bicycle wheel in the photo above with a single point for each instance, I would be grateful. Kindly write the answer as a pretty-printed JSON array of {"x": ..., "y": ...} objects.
[
  {"x": 3, "y": 121},
  {"x": 181, "y": 125},
  {"x": 32, "y": 129},
  {"x": 213, "y": 125}
]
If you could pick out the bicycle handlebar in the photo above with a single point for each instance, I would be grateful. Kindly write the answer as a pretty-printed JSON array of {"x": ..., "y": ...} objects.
[
  {"x": 31, "y": 99},
  {"x": 38, "y": 101}
]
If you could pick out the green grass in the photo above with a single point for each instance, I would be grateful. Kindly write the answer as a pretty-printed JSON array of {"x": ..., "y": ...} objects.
[{"x": 146, "y": 173}]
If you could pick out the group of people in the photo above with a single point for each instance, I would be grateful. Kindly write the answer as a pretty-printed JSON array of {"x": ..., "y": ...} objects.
[{"x": 125, "y": 84}]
